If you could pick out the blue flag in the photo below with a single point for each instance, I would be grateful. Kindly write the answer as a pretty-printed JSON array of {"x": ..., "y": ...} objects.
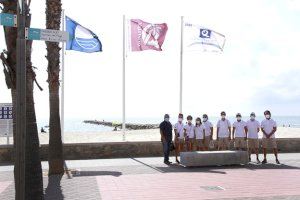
[{"x": 81, "y": 38}]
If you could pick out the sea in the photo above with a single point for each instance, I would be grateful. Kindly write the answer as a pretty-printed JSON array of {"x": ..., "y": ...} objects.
[{"x": 77, "y": 125}]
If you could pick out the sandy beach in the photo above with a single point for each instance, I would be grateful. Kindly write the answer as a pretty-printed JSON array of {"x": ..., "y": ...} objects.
[{"x": 135, "y": 135}]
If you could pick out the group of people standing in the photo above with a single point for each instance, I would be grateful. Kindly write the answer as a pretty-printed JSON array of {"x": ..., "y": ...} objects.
[{"x": 199, "y": 136}]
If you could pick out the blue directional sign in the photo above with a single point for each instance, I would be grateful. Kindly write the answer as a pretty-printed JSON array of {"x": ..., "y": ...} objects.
[
  {"x": 7, "y": 19},
  {"x": 46, "y": 35}
]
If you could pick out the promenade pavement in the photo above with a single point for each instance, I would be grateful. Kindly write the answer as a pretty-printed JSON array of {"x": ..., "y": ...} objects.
[{"x": 149, "y": 178}]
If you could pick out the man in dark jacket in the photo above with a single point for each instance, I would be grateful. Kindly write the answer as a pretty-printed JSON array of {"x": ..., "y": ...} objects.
[{"x": 166, "y": 137}]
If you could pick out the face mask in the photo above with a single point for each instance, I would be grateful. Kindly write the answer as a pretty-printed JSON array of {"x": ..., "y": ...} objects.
[
  {"x": 252, "y": 118},
  {"x": 239, "y": 118},
  {"x": 167, "y": 119},
  {"x": 198, "y": 122},
  {"x": 204, "y": 119},
  {"x": 189, "y": 121},
  {"x": 223, "y": 116},
  {"x": 268, "y": 116},
  {"x": 180, "y": 119}
]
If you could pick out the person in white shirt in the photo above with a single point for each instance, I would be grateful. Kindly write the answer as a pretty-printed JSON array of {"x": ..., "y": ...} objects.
[
  {"x": 239, "y": 133},
  {"x": 179, "y": 136},
  {"x": 223, "y": 132},
  {"x": 199, "y": 130},
  {"x": 269, "y": 127},
  {"x": 189, "y": 133},
  {"x": 253, "y": 127},
  {"x": 208, "y": 132}
]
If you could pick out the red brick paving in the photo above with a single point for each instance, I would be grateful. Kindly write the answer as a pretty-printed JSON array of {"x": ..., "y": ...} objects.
[
  {"x": 4, "y": 185},
  {"x": 237, "y": 183}
]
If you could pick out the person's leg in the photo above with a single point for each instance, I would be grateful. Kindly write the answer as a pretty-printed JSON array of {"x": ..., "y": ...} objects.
[
  {"x": 265, "y": 155},
  {"x": 265, "y": 145},
  {"x": 249, "y": 153},
  {"x": 165, "y": 149},
  {"x": 275, "y": 150},
  {"x": 176, "y": 149},
  {"x": 257, "y": 157},
  {"x": 191, "y": 147},
  {"x": 168, "y": 150}
]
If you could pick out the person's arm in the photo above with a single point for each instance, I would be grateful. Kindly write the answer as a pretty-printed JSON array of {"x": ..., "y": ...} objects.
[
  {"x": 246, "y": 132},
  {"x": 229, "y": 129},
  {"x": 211, "y": 132},
  {"x": 218, "y": 133},
  {"x": 273, "y": 131},
  {"x": 233, "y": 130},
  {"x": 176, "y": 133},
  {"x": 162, "y": 136},
  {"x": 262, "y": 130}
]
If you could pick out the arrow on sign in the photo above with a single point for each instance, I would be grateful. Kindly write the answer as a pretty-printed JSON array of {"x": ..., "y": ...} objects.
[{"x": 46, "y": 35}]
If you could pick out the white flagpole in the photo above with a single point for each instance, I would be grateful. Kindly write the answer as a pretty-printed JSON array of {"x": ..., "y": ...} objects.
[
  {"x": 62, "y": 99},
  {"x": 181, "y": 59},
  {"x": 123, "y": 88}
]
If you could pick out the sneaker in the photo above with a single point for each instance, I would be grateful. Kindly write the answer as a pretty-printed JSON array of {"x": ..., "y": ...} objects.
[
  {"x": 258, "y": 161},
  {"x": 277, "y": 161},
  {"x": 264, "y": 161},
  {"x": 167, "y": 162},
  {"x": 177, "y": 161}
]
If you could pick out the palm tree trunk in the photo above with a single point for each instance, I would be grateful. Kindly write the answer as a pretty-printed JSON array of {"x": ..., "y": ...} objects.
[
  {"x": 33, "y": 169},
  {"x": 53, "y": 20}
]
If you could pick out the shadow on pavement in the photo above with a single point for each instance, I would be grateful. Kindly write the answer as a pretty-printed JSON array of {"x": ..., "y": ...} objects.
[
  {"x": 97, "y": 173},
  {"x": 215, "y": 169},
  {"x": 53, "y": 190},
  {"x": 269, "y": 166}
]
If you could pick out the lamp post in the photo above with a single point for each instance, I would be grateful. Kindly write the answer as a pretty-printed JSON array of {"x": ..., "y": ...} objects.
[{"x": 20, "y": 103}]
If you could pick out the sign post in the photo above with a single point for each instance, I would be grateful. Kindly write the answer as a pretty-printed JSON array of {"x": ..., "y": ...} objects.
[{"x": 21, "y": 103}]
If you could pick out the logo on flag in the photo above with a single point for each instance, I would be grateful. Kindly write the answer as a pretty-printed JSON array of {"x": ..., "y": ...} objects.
[
  {"x": 205, "y": 33},
  {"x": 198, "y": 38},
  {"x": 82, "y": 39},
  {"x": 146, "y": 36}
]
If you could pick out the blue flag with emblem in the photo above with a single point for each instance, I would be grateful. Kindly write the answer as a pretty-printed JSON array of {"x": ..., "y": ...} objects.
[{"x": 81, "y": 38}]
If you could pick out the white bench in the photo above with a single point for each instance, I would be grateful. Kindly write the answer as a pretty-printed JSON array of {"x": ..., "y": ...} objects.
[{"x": 213, "y": 158}]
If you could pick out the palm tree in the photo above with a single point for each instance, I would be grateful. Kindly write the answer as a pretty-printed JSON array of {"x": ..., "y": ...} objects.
[
  {"x": 55, "y": 156},
  {"x": 33, "y": 169}
]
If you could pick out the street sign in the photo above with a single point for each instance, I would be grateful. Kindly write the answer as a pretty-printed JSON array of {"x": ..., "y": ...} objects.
[
  {"x": 46, "y": 35},
  {"x": 7, "y": 19}
]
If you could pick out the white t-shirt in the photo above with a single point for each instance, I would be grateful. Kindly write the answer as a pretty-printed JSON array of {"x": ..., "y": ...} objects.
[
  {"x": 199, "y": 131},
  {"x": 239, "y": 128},
  {"x": 189, "y": 130},
  {"x": 207, "y": 126},
  {"x": 179, "y": 127},
  {"x": 252, "y": 127},
  {"x": 268, "y": 126},
  {"x": 223, "y": 128}
]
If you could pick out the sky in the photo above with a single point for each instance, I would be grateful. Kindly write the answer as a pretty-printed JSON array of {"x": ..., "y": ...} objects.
[{"x": 259, "y": 68}]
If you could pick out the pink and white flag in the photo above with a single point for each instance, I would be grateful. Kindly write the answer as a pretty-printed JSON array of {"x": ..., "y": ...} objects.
[{"x": 146, "y": 36}]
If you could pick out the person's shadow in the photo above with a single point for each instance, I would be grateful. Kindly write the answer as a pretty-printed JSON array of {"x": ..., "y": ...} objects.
[{"x": 53, "y": 190}]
